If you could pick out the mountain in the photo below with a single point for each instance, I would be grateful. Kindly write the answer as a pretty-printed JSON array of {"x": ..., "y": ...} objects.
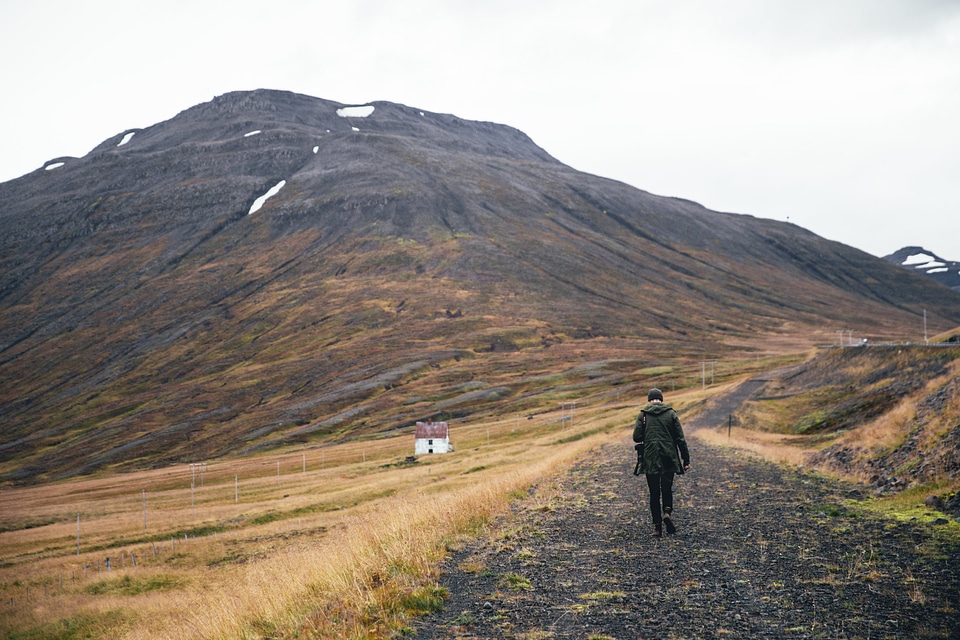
[
  {"x": 269, "y": 268},
  {"x": 946, "y": 272}
]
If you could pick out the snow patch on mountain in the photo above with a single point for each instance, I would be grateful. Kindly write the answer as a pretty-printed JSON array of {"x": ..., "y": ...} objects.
[
  {"x": 356, "y": 112},
  {"x": 259, "y": 202},
  {"x": 917, "y": 258},
  {"x": 927, "y": 263}
]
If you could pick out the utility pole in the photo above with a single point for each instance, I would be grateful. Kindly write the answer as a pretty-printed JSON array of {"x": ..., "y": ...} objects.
[
  {"x": 193, "y": 469},
  {"x": 703, "y": 372},
  {"x": 563, "y": 410}
]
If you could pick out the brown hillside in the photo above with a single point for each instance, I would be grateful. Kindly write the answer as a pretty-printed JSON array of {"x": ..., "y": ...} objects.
[
  {"x": 889, "y": 416},
  {"x": 413, "y": 265}
]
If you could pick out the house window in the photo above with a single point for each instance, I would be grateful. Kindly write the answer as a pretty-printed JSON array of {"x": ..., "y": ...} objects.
[{"x": 430, "y": 441}]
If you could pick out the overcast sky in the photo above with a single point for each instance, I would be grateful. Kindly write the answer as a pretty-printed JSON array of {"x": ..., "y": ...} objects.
[{"x": 842, "y": 116}]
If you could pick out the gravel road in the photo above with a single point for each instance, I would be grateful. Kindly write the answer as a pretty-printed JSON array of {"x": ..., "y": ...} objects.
[{"x": 761, "y": 552}]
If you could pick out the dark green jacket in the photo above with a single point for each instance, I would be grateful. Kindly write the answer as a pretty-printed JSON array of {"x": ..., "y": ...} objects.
[{"x": 658, "y": 429}]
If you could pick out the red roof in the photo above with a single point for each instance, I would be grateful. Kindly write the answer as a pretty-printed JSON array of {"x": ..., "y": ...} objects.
[{"x": 432, "y": 430}]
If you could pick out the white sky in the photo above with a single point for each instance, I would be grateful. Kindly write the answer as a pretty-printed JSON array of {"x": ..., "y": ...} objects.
[{"x": 841, "y": 115}]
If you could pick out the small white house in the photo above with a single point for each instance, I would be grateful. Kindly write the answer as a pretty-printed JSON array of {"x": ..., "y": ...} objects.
[{"x": 432, "y": 437}]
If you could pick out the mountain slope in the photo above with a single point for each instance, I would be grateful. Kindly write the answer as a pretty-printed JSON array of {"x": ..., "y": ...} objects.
[{"x": 149, "y": 317}]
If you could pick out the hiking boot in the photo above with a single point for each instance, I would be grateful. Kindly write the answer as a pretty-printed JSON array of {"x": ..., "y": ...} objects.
[
  {"x": 658, "y": 530},
  {"x": 667, "y": 520}
]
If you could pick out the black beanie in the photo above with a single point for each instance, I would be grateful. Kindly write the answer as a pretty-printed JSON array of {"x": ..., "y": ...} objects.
[{"x": 655, "y": 394}]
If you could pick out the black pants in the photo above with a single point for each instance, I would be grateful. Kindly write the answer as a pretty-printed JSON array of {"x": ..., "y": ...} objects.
[{"x": 661, "y": 486}]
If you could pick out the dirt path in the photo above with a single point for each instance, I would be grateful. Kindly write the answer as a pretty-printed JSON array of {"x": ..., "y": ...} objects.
[
  {"x": 761, "y": 552},
  {"x": 719, "y": 408}
]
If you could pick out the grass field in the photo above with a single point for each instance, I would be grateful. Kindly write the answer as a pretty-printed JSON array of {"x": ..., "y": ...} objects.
[
  {"x": 340, "y": 541},
  {"x": 332, "y": 541}
]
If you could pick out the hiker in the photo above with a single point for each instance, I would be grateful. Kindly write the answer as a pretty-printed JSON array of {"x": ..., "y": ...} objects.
[{"x": 659, "y": 438}]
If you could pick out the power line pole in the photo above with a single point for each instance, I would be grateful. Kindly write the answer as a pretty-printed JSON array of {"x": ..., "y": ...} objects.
[{"x": 703, "y": 372}]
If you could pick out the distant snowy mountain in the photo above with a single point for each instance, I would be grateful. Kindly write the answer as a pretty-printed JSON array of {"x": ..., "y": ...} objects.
[{"x": 945, "y": 272}]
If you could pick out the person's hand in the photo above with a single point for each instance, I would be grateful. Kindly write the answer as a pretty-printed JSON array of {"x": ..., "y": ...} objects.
[{"x": 686, "y": 466}]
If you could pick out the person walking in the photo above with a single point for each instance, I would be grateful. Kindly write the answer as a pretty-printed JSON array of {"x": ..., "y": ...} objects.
[{"x": 662, "y": 454}]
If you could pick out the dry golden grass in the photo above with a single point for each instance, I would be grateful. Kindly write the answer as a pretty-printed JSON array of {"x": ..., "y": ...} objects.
[
  {"x": 766, "y": 424},
  {"x": 342, "y": 549},
  {"x": 786, "y": 449},
  {"x": 344, "y": 542}
]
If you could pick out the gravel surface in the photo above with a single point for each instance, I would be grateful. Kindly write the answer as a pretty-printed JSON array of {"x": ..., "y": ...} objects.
[{"x": 760, "y": 552}]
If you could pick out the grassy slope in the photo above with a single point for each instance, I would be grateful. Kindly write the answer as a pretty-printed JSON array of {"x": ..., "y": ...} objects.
[{"x": 889, "y": 417}]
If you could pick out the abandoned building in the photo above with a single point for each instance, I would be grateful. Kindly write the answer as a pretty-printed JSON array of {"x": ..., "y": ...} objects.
[{"x": 432, "y": 437}]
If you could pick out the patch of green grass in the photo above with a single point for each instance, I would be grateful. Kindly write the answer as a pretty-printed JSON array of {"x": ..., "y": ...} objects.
[
  {"x": 132, "y": 586},
  {"x": 830, "y": 510},
  {"x": 195, "y": 532},
  {"x": 655, "y": 371},
  {"x": 319, "y": 507},
  {"x": 515, "y": 582},
  {"x": 603, "y": 595},
  {"x": 525, "y": 554},
  {"x": 103, "y": 624},
  {"x": 584, "y": 434},
  {"x": 908, "y": 506},
  {"x": 428, "y": 599},
  {"x": 30, "y": 524},
  {"x": 465, "y": 619}
]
